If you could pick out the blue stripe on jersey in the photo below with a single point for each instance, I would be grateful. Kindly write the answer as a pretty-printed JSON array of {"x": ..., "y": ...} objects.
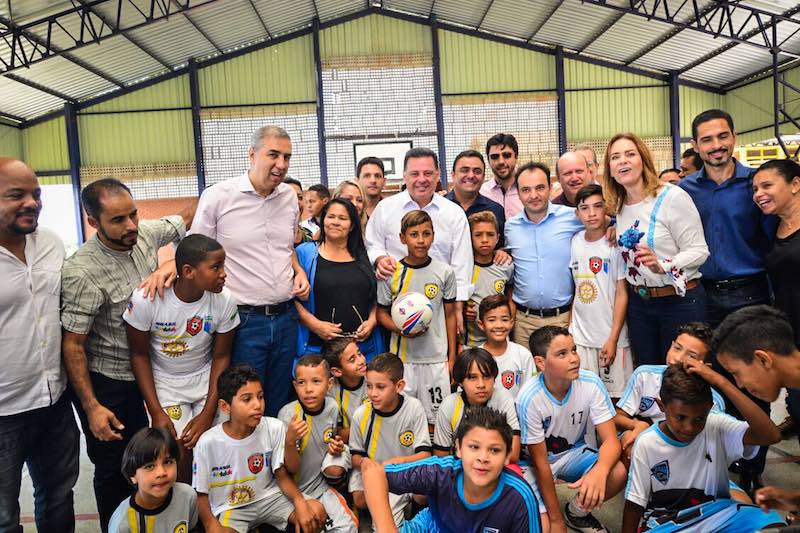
[
  {"x": 552, "y": 398},
  {"x": 633, "y": 450},
  {"x": 650, "y": 369},
  {"x": 591, "y": 377},
  {"x": 718, "y": 400},
  {"x": 669, "y": 440},
  {"x": 525, "y": 490},
  {"x": 449, "y": 461},
  {"x": 523, "y": 400}
]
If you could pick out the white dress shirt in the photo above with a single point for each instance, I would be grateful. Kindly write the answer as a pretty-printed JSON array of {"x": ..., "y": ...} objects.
[
  {"x": 30, "y": 329},
  {"x": 451, "y": 241}
]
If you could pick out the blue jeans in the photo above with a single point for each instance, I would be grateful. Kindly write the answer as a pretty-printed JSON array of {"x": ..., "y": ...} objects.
[
  {"x": 268, "y": 344},
  {"x": 125, "y": 401},
  {"x": 653, "y": 322},
  {"x": 722, "y": 302},
  {"x": 47, "y": 439}
]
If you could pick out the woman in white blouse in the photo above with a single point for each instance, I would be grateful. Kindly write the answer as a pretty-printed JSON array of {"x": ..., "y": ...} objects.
[{"x": 660, "y": 236}]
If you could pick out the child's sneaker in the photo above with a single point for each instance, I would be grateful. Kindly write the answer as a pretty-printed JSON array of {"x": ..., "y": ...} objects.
[{"x": 584, "y": 524}]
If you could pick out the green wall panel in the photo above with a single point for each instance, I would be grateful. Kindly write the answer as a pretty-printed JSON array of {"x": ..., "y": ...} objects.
[
  {"x": 167, "y": 94},
  {"x": 751, "y": 105},
  {"x": 601, "y": 114},
  {"x": 136, "y": 138},
  {"x": 693, "y": 102},
  {"x": 277, "y": 74},
  {"x": 580, "y": 75},
  {"x": 375, "y": 35},
  {"x": 44, "y": 145},
  {"x": 473, "y": 65},
  {"x": 10, "y": 142}
]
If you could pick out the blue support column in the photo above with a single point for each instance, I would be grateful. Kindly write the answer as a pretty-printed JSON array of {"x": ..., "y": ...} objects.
[
  {"x": 437, "y": 100},
  {"x": 561, "y": 94},
  {"x": 675, "y": 117},
  {"x": 197, "y": 133},
  {"x": 74, "y": 154},
  {"x": 323, "y": 151}
]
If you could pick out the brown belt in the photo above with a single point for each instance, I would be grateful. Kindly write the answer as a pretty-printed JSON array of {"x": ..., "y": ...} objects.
[{"x": 659, "y": 292}]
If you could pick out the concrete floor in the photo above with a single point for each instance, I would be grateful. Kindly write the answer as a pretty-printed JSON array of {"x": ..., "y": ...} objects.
[{"x": 783, "y": 469}]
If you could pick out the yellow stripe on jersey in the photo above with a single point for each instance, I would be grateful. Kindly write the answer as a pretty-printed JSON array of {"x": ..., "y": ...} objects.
[
  {"x": 364, "y": 421},
  {"x": 376, "y": 432},
  {"x": 344, "y": 402},
  {"x": 404, "y": 279},
  {"x": 132, "y": 522},
  {"x": 231, "y": 482},
  {"x": 225, "y": 519},
  {"x": 298, "y": 410},
  {"x": 471, "y": 326},
  {"x": 151, "y": 523},
  {"x": 396, "y": 281},
  {"x": 457, "y": 413}
]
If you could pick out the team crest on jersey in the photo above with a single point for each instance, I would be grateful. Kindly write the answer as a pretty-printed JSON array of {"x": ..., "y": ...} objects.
[
  {"x": 507, "y": 379},
  {"x": 240, "y": 494},
  {"x": 407, "y": 438},
  {"x": 327, "y": 435},
  {"x": 500, "y": 286},
  {"x": 660, "y": 471},
  {"x": 587, "y": 292},
  {"x": 174, "y": 411},
  {"x": 490, "y": 530},
  {"x": 256, "y": 462},
  {"x": 194, "y": 325},
  {"x": 181, "y": 527},
  {"x": 646, "y": 403},
  {"x": 431, "y": 290},
  {"x": 595, "y": 264},
  {"x": 546, "y": 422}
]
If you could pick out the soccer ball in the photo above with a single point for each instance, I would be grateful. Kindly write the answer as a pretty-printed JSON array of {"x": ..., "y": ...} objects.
[{"x": 412, "y": 312}]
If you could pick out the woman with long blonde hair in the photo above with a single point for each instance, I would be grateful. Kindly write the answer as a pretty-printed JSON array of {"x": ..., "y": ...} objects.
[
  {"x": 661, "y": 240},
  {"x": 351, "y": 190}
]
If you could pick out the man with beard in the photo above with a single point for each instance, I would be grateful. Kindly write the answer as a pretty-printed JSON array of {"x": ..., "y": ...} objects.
[
  {"x": 502, "y": 150},
  {"x": 738, "y": 236},
  {"x": 468, "y": 173},
  {"x": 371, "y": 177},
  {"x": 96, "y": 283},
  {"x": 36, "y": 422}
]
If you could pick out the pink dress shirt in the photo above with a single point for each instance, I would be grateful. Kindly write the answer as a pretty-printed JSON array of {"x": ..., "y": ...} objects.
[{"x": 509, "y": 199}]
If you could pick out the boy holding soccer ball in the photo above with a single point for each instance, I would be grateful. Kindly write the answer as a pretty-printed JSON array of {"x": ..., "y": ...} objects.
[{"x": 427, "y": 353}]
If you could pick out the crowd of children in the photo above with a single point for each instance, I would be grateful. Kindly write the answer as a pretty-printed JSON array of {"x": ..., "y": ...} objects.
[{"x": 448, "y": 434}]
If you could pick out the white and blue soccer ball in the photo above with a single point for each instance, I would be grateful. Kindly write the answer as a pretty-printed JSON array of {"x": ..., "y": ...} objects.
[{"x": 412, "y": 312}]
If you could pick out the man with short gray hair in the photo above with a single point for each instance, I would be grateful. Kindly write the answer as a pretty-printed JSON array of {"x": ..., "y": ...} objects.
[
  {"x": 254, "y": 216},
  {"x": 588, "y": 152},
  {"x": 572, "y": 170}
]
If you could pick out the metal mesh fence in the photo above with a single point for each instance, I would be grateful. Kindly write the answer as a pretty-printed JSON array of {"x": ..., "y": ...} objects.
[
  {"x": 661, "y": 148},
  {"x": 375, "y": 99},
  {"x": 226, "y": 137},
  {"x": 532, "y": 118}
]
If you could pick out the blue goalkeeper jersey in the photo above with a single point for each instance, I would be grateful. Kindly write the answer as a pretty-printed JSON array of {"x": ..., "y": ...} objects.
[{"x": 512, "y": 508}]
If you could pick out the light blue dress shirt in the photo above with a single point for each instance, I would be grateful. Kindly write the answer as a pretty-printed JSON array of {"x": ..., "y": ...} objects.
[{"x": 541, "y": 253}]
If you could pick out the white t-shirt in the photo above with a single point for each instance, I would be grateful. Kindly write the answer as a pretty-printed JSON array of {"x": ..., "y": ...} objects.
[
  {"x": 561, "y": 424},
  {"x": 644, "y": 388},
  {"x": 596, "y": 268},
  {"x": 235, "y": 472},
  {"x": 669, "y": 475},
  {"x": 181, "y": 333},
  {"x": 514, "y": 368}
]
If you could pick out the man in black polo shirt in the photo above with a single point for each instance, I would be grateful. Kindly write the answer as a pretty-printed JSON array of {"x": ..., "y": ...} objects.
[{"x": 469, "y": 171}]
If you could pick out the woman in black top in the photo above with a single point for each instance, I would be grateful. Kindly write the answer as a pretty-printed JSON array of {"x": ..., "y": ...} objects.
[
  {"x": 343, "y": 285},
  {"x": 776, "y": 190}
]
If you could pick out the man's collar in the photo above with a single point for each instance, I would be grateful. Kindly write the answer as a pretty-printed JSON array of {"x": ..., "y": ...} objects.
[
  {"x": 551, "y": 207},
  {"x": 245, "y": 185},
  {"x": 408, "y": 200},
  {"x": 740, "y": 171}
]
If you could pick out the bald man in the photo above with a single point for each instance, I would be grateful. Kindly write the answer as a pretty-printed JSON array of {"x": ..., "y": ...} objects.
[
  {"x": 572, "y": 171},
  {"x": 37, "y": 425}
]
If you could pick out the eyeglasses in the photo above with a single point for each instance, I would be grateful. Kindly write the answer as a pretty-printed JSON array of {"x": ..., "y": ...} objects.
[
  {"x": 506, "y": 155},
  {"x": 349, "y": 334}
]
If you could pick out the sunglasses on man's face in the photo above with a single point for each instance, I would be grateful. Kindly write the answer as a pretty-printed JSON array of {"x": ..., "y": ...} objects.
[{"x": 496, "y": 156}]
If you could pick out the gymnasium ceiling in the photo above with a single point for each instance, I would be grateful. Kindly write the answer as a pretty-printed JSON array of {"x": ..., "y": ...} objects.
[{"x": 57, "y": 51}]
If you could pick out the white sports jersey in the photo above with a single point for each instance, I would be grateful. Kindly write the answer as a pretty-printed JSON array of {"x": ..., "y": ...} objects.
[
  {"x": 381, "y": 436},
  {"x": 437, "y": 281},
  {"x": 314, "y": 446},
  {"x": 178, "y": 513},
  {"x": 514, "y": 368},
  {"x": 235, "y": 472},
  {"x": 181, "y": 333},
  {"x": 561, "y": 424},
  {"x": 486, "y": 280},
  {"x": 348, "y": 400},
  {"x": 669, "y": 475},
  {"x": 644, "y": 387},
  {"x": 596, "y": 268},
  {"x": 452, "y": 411}
]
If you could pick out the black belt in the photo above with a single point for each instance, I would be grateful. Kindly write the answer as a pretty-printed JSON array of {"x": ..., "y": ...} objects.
[
  {"x": 735, "y": 283},
  {"x": 543, "y": 313},
  {"x": 271, "y": 309}
]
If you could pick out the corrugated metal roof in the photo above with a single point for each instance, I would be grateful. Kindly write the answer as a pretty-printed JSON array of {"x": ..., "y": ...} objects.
[{"x": 231, "y": 24}]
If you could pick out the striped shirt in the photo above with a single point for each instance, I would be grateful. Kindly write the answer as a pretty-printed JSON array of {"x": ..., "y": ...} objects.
[
  {"x": 486, "y": 280},
  {"x": 382, "y": 436},
  {"x": 451, "y": 411}
]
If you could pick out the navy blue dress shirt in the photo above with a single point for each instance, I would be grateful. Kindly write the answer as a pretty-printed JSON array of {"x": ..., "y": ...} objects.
[
  {"x": 482, "y": 203},
  {"x": 738, "y": 234}
]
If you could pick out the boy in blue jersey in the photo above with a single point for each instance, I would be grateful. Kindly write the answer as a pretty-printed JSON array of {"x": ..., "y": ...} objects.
[
  {"x": 472, "y": 492},
  {"x": 679, "y": 468},
  {"x": 555, "y": 409}
]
